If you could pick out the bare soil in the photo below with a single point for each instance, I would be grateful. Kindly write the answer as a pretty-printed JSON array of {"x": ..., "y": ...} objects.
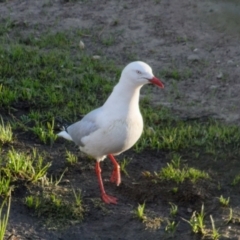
[{"x": 201, "y": 40}]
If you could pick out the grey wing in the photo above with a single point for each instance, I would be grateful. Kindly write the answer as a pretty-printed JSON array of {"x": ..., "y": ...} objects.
[{"x": 84, "y": 127}]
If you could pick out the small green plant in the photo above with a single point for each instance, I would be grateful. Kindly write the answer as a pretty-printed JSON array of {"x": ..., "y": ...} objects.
[
  {"x": 176, "y": 161},
  {"x": 173, "y": 171},
  {"x": 71, "y": 158},
  {"x": 123, "y": 165},
  {"x": 215, "y": 233},
  {"x": 230, "y": 216},
  {"x": 174, "y": 190},
  {"x": 29, "y": 201},
  {"x": 7, "y": 96},
  {"x": 4, "y": 217},
  {"x": 6, "y": 134},
  {"x": 139, "y": 212},
  {"x": 25, "y": 166},
  {"x": 78, "y": 197},
  {"x": 5, "y": 187},
  {"x": 173, "y": 209},
  {"x": 171, "y": 227},
  {"x": 108, "y": 41},
  {"x": 52, "y": 181},
  {"x": 236, "y": 180},
  {"x": 197, "y": 222},
  {"x": 57, "y": 211},
  {"x": 224, "y": 201},
  {"x": 32, "y": 201},
  {"x": 45, "y": 134}
]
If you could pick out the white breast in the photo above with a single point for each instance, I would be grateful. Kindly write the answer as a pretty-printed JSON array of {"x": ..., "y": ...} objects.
[{"x": 115, "y": 138}]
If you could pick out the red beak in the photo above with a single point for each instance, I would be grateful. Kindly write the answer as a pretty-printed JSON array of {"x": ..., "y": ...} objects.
[{"x": 157, "y": 82}]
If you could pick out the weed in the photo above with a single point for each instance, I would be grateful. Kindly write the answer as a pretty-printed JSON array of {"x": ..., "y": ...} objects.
[
  {"x": 7, "y": 26},
  {"x": 197, "y": 221},
  {"x": 215, "y": 234},
  {"x": 45, "y": 181},
  {"x": 71, "y": 158},
  {"x": 6, "y": 134},
  {"x": 7, "y": 96},
  {"x": 173, "y": 209},
  {"x": 174, "y": 172},
  {"x": 45, "y": 134},
  {"x": 139, "y": 212},
  {"x": 78, "y": 198},
  {"x": 171, "y": 227},
  {"x": 171, "y": 73},
  {"x": 57, "y": 211},
  {"x": 192, "y": 136},
  {"x": 108, "y": 41},
  {"x": 4, "y": 217},
  {"x": 123, "y": 165},
  {"x": 5, "y": 187},
  {"x": 182, "y": 39},
  {"x": 224, "y": 201},
  {"x": 32, "y": 202},
  {"x": 230, "y": 216},
  {"x": 174, "y": 189},
  {"x": 25, "y": 119},
  {"x": 21, "y": 165},
  {"x": 236, "y": 180},
  {"x": 176, "y": 160}
]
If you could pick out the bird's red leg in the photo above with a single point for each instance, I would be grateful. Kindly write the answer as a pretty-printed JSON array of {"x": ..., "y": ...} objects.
[
  {"x": 106, "y": 198},
  {"x": 116, "y": 174}
]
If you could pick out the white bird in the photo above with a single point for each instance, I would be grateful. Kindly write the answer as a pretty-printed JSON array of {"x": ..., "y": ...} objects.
[{"x": 117, "y": 125}]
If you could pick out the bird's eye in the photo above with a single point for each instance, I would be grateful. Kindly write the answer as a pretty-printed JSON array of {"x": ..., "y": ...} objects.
[{"x": 138, "y": 72}]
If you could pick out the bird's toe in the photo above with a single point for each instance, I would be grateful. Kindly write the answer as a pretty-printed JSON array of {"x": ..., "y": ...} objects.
[{"x": 109, "y": 199}]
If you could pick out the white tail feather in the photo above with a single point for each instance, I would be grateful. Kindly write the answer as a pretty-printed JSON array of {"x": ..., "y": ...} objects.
[{"x": 65, "y": 135}]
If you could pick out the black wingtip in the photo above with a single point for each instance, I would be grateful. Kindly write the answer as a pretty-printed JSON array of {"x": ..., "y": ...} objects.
[
  {"x": 61, "y": 125},
  {"x": 64, "y": 127}
]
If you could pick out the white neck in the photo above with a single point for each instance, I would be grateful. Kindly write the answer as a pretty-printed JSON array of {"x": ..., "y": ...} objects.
[{"x": 123, "y": 99}]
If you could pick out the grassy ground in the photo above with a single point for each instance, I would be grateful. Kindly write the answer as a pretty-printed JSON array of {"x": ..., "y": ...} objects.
[{"x": 49, "y": 80}]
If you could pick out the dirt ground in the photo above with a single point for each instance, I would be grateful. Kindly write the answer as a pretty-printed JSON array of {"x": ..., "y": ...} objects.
[{"x": 199, "y": 38}]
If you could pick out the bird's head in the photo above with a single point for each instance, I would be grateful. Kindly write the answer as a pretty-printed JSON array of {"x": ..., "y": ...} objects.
[{"x": 139, "y": 73}]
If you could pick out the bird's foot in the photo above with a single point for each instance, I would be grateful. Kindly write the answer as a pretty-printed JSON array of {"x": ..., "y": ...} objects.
[
  {"x": 116, "y": 176},
  {"x": 109, "y": 199}
]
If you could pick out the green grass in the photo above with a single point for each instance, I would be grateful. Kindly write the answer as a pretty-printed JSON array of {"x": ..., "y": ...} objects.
[
  {"x": 171, "y": 227},
  {"x": 28, "y": 166},
  {"x": 140, "y": 212},
  {"x": 56, "y": 210},
  {"x": 236, "y": 180},
  {"x": 53, "y": 76},
  {"x": 211, "y": 137},
  {"x": 4, "y": 216},
  {"x": 176, "y": 73},
  {"x": 71, "y": 158},
  {"x": 45, "y": 134},
  {"x": 177, "y": 173},
  {"x": 197, "y": 222},
  {"x": 215, "y": 235},
  {"x": 173, "y": 209},
  {"x": 6, "y": 134},
  {"x": 48, "y": 80},
  {"x": 224, "y": 201},
  {"x": 5, "y": 184},
  {"x": 123, "y": 165}
]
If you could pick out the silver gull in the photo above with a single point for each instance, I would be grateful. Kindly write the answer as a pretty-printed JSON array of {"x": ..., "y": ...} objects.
[{"x": 116, "y": 126}]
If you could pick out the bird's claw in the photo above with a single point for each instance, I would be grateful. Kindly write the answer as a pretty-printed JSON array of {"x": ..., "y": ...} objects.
[{"x": 109, "y": 199}]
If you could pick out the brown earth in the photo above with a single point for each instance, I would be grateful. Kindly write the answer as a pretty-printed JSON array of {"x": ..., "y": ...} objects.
[{"x": 201, "y": 40}]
